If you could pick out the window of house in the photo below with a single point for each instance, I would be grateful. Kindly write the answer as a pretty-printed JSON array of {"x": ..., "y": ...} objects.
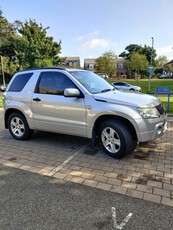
[
  {"x": 120, "y": 66},
  {"x": 70, "y": 63},
  {"x": 91, "y": 66}
]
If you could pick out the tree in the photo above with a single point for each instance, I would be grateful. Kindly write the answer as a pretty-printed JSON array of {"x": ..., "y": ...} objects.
[
  {"x": 106, "y": 63},
  {"x": 146, "y": 50},
  {"x": 129, "y": 50},
  {"x": 6, "y": 33},
  {"x": 168, "y": 68},
  {"x": 39, "y": 48},
  {"x": 30, "y": 47},
  {"x": 6, "y": 29},
  {"x": 161, "y": 60},
  {"x": 138, "y": 64}
]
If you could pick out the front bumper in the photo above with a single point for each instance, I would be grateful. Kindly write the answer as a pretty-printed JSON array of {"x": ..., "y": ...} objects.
[{"x": 155, "y": 130}]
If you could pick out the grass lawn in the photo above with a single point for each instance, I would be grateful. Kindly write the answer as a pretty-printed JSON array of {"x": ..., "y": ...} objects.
[
  {"x": 164, "y": 100},
  {"x": 154, "y": 83}
]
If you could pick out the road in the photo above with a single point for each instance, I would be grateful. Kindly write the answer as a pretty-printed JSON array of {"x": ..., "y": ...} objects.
[{"x": 35, "y": 202}]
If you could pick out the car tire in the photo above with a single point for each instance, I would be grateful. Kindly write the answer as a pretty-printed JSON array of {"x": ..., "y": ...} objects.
[
  {"x": 132, "y": 90},
  {"x": 18, "y": 126},
  {"x": 116, "y": 139}
]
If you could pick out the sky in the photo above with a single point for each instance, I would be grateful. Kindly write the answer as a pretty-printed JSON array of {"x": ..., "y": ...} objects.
[{"x": 89, "y": 28}]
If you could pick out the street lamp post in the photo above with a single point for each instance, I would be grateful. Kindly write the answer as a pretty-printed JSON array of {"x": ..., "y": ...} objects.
[
  {"x": 151, "y": 64},
  {"x": 2, "y": 67}
]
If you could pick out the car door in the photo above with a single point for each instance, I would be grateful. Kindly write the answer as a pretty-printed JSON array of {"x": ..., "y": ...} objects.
[
  {"x": 125, "y": 86},
  {"x": 54, "y": 112},
  {"x": 119, "y": 85}
]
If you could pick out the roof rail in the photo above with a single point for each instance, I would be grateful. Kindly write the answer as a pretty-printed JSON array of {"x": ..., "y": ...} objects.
[{"x": 40, "y": 68}]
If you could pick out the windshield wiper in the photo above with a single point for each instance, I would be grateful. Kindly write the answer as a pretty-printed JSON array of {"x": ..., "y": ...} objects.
[{"x": 106, "y": 90}]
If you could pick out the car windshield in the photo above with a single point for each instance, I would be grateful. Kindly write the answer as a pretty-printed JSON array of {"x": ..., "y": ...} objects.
[{"x": 92, "y": 82}]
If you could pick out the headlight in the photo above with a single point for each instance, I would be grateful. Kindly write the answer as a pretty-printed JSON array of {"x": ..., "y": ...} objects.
[{"x": 148, "y": 113}]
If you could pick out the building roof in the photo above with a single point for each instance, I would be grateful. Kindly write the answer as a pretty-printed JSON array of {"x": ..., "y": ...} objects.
[
  {"x": 170, "y": 62},
  {"x": 120, "y": 60},
  {"x": 89, "y": 60},
  {"x": 72, "y": 58}
]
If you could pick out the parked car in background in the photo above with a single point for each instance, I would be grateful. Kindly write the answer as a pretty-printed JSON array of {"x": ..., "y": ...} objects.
[
  {"x": 165, "y": 75},
  {"x": 126, "y": 86}
]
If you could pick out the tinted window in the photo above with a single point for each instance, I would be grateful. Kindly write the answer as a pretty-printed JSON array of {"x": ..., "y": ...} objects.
[
  {"x": 117, "y": 84},
  {"x": 121, "y": 84},
  {"x": 54, "y": 83},
  {"x": 19, "y": 82}
]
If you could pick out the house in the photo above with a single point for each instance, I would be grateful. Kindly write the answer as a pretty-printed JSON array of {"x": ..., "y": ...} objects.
[
  {"x": 168, "y": 66},
  {"x": 121, "y": 66},
  {"x": 167, "y": 70},
  {"x": 169, "y": 63},
  {"x": 72, "y": 62},
  {"x": 89, "y": 64}
]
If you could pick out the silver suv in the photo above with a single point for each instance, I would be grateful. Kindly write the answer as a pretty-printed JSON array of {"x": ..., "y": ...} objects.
[{"x": 81, "y": 103}]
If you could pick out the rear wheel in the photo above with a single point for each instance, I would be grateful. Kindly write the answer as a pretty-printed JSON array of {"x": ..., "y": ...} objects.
[
  {"x": 18, "y": 126},
  {"x": 116, "y": 139}
]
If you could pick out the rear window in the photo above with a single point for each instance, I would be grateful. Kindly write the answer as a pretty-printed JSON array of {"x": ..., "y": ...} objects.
[{"x": 19, "y": 82}]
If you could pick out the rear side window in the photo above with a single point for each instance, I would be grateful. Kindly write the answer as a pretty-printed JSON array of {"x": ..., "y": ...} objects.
[{"x": 19, "y": 82}]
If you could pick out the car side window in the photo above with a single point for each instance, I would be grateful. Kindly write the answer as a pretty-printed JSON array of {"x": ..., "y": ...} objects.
[
  {"x": 54, "y": 83},
  {"x": 19, "y": 82}
]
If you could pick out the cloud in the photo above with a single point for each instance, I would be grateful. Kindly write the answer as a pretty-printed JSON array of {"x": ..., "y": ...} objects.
[
  {"x": 166, "y": 51},
  {"x": 93, "y": 34},
  {"x": 94, "y": 43},
  {"x": 91, "y": 41},
  {"x": 80, "y": 38},
  {"x": 89, "y": 35}
]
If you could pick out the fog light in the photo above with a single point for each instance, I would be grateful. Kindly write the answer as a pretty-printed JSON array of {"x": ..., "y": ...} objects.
[{"x": 159, "y": 131}]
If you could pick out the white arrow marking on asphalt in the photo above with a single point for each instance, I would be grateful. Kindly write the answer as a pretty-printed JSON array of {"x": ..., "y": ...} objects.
[{"x": 115, "y": 220}]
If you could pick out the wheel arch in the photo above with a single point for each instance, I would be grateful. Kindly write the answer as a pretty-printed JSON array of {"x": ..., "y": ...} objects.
[
  {"x": 104, "y": 118},
  {"x": 8, "y": 113}
]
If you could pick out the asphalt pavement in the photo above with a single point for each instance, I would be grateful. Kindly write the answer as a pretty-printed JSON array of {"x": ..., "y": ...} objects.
[{"x": 31, "y": 201}]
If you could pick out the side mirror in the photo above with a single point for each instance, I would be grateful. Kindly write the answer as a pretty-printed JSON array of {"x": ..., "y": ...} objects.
[{"x": 71, "y": 92}]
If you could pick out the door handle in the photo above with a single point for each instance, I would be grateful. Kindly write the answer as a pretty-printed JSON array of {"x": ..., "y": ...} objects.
[{"x": 36, "y": 99}]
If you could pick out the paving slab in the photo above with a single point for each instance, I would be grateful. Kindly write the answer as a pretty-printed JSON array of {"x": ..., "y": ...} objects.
[{"x": 145, "y": 174}]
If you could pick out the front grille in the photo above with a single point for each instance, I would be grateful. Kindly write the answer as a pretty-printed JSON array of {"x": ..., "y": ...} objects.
[{"x": 161, "y": 109}]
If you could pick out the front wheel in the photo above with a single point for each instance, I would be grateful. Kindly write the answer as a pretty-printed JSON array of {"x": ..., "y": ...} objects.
[
  {"x": 116, "y": 139},
  {"x": 18, "y": 126}
]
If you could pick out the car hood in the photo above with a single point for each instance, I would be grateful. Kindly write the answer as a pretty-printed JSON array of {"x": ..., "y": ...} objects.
[
  {"x": 128, "y": 98},
  {"x": 136, "y": 87}
]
